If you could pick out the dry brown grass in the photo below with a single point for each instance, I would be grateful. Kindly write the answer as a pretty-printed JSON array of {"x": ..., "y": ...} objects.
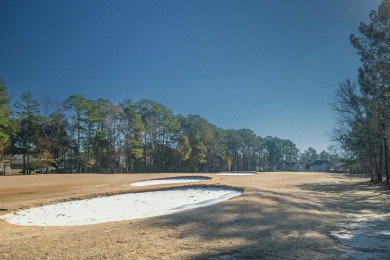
[{"x": 279, "y": 216}]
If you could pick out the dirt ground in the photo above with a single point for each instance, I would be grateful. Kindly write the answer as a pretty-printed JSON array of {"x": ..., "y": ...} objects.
[{"x": 280, "y": 215}]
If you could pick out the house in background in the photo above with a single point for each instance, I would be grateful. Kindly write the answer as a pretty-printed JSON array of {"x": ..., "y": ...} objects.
[
  {"x": 298, "y": 167},
  {"x": 320, "y": 166},
  {"x": 5, "y": 168},
  {"x": 353, "y": 167},
  {"x": 16, "y": 164},
  {"x": 286, "y": 166},
  {"x": 291, "y": 167}
]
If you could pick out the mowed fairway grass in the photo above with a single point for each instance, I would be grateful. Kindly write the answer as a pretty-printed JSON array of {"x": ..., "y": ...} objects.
[{"x": 280, "y": 215}]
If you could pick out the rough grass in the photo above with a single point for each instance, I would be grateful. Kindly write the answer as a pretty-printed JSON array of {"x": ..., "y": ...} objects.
[{"x": 279, "y": 216}]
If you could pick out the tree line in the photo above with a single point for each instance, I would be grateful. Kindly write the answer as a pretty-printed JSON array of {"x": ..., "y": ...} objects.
[
  {"x": 82, "y": 135},
  {"x": 362, "y": 109}
]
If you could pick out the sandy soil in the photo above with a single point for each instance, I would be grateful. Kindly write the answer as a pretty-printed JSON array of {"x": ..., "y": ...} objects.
[
  {"x": 170, "y": 181},
  {"x": 279, "y": 216}
]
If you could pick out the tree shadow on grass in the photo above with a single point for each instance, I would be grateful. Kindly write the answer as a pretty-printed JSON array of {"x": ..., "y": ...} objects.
[
  {"x": 365, "y": 233},
  {"x": 349, "y": 196},
  {"x": 259, "y": 224}
]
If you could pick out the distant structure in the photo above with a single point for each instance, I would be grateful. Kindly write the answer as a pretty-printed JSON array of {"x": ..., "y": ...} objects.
[
  {"x": 5, "y": 167},
  {"x": 320, "y": 166},
  {"x": 291, "y": 167},
  {"x": 316, "y": 166}
]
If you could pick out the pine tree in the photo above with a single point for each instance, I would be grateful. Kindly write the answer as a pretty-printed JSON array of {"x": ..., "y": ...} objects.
[
  {"x": 28, "y": 120},
  {"x": 5, "y": 123},
  {"x": 77, "y": 108},
  {"x": 373, "y": 46}
]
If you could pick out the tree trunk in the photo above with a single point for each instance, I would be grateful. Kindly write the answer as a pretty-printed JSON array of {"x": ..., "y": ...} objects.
[
  {"x": 24, "y": 164},
  {"x": 386, "y": 162},
  {"x": 28, "y": 164},
  {"x": 379, "y": 173}
]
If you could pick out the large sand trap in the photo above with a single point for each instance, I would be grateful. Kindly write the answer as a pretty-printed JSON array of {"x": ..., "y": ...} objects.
[
  {"x": 121, "y": 207},
  {"x": 169, "y": 181}
]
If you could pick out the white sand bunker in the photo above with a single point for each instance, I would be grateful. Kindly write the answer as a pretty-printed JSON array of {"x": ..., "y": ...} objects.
[
  {"x": 170, "y": 181},
  {"x": 237, "y": 173},
  {"x": 121, "y": 207}
]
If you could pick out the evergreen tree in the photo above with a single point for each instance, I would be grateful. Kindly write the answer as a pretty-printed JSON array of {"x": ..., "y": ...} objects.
[
  {"x": 160, "y": 133},
  {"x": 5, "y": 123},
  {"x": 77, "y": 108},
  {"x": 132, "y": 129},
  {"x": 363, "y": 116},
  {"x": 53, "y": 140},
  {"x": 374, "y": 75},
  {"x": 26, "y": 140}
]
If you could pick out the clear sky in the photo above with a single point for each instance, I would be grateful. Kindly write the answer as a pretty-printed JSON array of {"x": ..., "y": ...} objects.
[{"x": 268, "y": 65}]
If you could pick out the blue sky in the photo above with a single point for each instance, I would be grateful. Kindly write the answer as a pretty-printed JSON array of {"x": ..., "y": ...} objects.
[{"x": 268, "y": 65}]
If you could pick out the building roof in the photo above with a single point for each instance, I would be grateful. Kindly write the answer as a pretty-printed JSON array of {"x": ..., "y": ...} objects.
[{"x": 319, "y": 162}]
